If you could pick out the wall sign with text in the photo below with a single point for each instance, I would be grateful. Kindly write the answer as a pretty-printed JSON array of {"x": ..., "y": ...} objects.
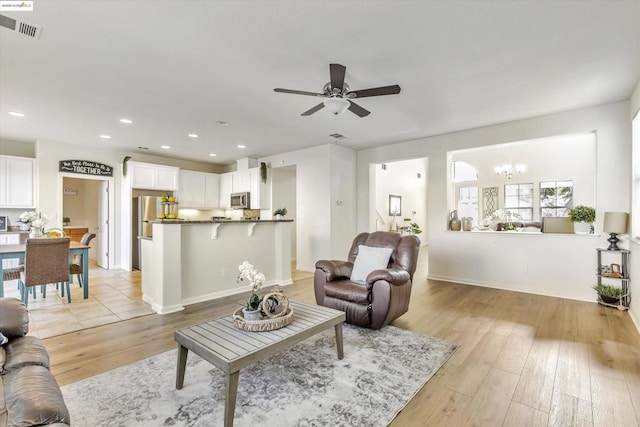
[{"x": 85, "y": 167}]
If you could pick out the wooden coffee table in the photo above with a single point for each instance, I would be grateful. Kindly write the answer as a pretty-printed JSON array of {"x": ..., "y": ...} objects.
[{"x": 230, "y": 349}]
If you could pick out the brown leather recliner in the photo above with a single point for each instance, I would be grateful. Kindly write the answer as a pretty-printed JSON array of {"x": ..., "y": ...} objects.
[
  {"x": 386, "y": 293},
  {"x": 29, "y": 394}
]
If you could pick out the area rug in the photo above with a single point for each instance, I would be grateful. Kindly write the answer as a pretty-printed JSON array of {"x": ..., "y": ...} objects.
[{"x": 305, "y": 385}]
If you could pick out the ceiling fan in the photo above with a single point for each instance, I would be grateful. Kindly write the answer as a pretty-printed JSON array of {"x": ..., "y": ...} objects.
[{"x": 339, "y": 96}]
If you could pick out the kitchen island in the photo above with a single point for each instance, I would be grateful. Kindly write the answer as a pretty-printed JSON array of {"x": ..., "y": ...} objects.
[{"x": 187, "y": 262}]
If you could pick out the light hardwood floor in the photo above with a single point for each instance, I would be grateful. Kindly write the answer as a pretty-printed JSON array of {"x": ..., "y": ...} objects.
[{"x": 523, "y": 360}]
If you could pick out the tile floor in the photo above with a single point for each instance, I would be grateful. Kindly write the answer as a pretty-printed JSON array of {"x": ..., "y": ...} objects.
[{"x": 114, "y": 295}]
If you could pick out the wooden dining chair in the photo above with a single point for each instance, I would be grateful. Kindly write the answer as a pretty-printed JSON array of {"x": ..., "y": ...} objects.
[
  {"x": 75, "y": 268},
  {"x": 45, "y": 261}
]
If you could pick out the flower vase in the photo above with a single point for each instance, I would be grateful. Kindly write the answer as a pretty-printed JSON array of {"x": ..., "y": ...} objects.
[
  {"x": 36, "y": 233},
  {"x": 24, "y": 226},
  {"x": 251, "y": 314}
]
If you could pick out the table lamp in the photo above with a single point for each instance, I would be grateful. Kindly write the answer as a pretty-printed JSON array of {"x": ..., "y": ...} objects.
[{"x": 615, "y": 223}]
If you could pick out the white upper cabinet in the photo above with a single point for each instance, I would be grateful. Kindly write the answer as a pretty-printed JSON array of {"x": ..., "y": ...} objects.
[
  {"x": 192, "y": 189},
  {"x": 226, "y": 188},
  {"x": 153, "y": 177},
  {"x": 212, "y": 190},
  {"x": 241, "y": 181},
  {"x": 198, "y": 190},
  {"x": 260, "y": 191},
  {"x": 17, "y": 177}
]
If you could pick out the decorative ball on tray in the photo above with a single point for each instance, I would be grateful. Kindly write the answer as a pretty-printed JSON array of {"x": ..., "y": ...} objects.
[{"x": 261, "y": 314}]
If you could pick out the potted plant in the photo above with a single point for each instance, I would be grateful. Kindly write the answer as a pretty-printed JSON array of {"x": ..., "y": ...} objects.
[
  {"x": 248, "y": 272},
  {"x": 582, "y": 217},
  {"x": 66, "y": 220},
  {"x": 280, "y": 213},
  {"x": 609, "y": 294},
  {"x": 411, "y": 227}
]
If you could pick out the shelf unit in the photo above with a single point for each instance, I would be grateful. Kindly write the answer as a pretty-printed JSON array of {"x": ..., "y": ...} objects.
[
  {"x": 170, "y": 208},
  {"x": 625, "y": 299}
]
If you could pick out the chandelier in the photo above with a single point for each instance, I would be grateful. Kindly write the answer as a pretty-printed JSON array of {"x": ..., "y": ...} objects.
[{"x": 508, "y": 170}]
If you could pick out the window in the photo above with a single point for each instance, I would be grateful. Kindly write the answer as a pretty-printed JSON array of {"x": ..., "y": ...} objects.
[
  {"x": 468, "y": 203},
  {"x": 518, "y": 199},
  {"x": 556, "y": 198},
  {"x": 463, "y": 171}
]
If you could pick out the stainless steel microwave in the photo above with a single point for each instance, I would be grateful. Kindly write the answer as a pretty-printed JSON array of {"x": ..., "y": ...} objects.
[{"x": 240, "y": 200}]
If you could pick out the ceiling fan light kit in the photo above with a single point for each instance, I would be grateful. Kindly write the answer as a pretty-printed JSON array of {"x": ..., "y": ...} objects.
[
  {"x": 339, "y": 96},
  {"x": 336, "y": 105}
]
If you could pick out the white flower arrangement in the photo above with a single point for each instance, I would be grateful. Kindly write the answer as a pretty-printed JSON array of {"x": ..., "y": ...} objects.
[
  {"x": 503, "y": 215},
  {"x": 256, "y": 279},
  {"x": 34, "y": 219}
]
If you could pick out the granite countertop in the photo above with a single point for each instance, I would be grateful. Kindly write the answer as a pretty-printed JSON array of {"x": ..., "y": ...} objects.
[{"x": 215, "y": 221}]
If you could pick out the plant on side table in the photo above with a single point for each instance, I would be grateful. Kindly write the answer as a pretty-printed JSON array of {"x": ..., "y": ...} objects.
[
  {"x": 582, "y": 217},
  {"x": 609, "y": 294}
]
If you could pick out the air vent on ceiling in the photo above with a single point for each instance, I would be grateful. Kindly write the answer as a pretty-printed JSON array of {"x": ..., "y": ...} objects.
[
  {"x": 24, "y": 28},
  {"x": 337, "y": 135}
]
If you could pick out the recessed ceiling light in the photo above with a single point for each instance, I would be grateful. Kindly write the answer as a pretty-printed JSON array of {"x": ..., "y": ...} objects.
[
  {"x": 193, "y": 135},
  {"x": 105, "y": 136},
  {"x": 212, "y": 154},
  {"x": 16, "y": 114},
  {"x": 166, "y": 147},
  {"x": 242, "y": 146},
  {"x": 222, "y": 123},
  {"x": 126, "y": 121}
]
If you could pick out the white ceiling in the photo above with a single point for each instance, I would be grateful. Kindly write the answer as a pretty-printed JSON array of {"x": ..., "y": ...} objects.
[{"x": 176, "y": 67}]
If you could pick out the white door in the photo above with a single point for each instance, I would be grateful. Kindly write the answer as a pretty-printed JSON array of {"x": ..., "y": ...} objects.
[{"x": 102, "y": 238}]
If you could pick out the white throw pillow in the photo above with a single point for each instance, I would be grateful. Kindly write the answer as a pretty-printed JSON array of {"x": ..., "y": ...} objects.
[{"x": 368, "y": 259}]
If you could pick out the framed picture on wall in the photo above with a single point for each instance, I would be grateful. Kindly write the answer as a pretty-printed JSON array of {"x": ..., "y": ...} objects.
[
  {"x": 395, "y": 205},
  {"x": 3, "y": 223}
]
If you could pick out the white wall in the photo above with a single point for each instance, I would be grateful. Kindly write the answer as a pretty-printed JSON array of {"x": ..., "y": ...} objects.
[
  {"x": 551, "y": 265},
  {"x": 324, "y": 174},
  {"x": 283, "y": 193},
  {"x": 342, "y": 200},
  {"x": 401, "y": 179},
  {"x": 634, "y": 245}
]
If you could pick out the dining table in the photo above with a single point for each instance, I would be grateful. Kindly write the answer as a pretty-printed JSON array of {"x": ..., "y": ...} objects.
[{"x": 75, "y": 248}]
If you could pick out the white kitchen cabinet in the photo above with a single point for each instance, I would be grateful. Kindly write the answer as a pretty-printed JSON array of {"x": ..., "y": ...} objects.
[
  {"x": 226, "y": 188},
  {"x": 241, "y": 182},
  {"x": 212, "y": 190},
  {"x": 260, "y": 192},
  {"x": 17, "y": 177},
  {"x": 198, "y": 190},
  {"x": 192, "y": 189},
  {"x": 153, "y": 177}
]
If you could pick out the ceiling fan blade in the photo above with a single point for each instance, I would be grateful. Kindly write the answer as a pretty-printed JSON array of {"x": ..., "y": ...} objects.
[
  {"x": 298, "y": 92},
  {"x": 358, "y": 110},
  {"x": 313, "y": 110},
  {"x": 337, "y": 76},
  {"x": 376, "y": 91}
]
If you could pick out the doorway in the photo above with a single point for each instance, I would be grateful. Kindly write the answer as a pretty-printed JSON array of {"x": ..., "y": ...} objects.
[
  {"x": 399, "y": 192},
  {"x": 87, "y": 202}
]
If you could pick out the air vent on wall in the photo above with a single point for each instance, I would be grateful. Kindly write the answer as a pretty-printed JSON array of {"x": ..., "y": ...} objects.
[{"x": 21, "y": 27}]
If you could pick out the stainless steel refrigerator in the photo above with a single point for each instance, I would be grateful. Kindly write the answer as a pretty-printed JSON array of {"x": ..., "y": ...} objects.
[{"x": 144, "y": 209}]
